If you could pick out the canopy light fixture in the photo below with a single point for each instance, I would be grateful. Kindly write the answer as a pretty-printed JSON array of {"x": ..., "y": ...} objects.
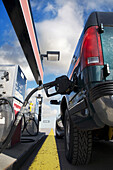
[{"x": 51, "y": 55}]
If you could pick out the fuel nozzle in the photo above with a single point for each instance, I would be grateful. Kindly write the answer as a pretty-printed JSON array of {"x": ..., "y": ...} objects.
[{"x": 62, "y": 85}]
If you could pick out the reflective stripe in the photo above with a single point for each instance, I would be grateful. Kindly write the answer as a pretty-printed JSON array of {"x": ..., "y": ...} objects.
[{"x": 27, "y": 16}]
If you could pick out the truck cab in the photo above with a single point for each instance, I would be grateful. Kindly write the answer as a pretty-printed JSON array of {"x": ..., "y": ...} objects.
[{"x": 87, "y": 112}]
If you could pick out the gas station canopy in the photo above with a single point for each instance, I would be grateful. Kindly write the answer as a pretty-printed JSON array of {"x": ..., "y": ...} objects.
[{"x": 20, "y": 14}]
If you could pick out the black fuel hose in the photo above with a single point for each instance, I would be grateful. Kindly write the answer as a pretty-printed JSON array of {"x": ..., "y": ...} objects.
[
  {"x": 7, "y": 101},
  {"x": 31, "y": 93},
  {"x": 18, "y": 118}
]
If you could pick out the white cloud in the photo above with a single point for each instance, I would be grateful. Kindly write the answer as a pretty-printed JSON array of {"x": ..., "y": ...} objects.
[
  {"x": 48, "y": 111},
  {"x": 50, "y": 8},
  {"x": 60, "y": 34},
  {"x": 98, "y": 5},
  {"x": 11, "y": 53}
]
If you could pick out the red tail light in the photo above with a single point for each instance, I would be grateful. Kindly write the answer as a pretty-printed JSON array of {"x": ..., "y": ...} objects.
[{"x": 91, "y": 51}]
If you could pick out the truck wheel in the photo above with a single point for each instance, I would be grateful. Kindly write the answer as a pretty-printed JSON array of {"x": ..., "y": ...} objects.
[{"x": 78, "y": 143}]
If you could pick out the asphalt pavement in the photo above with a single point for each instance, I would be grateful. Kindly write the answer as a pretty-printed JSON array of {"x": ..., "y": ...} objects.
[{"x": 102, "y": 156}]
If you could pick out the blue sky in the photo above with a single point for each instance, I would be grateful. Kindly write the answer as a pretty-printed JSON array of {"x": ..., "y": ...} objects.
[{"x": 58, "y": 24}]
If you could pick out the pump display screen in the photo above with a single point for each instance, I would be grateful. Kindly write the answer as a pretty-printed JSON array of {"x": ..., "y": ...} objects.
[{"x": 20, "y": 85}]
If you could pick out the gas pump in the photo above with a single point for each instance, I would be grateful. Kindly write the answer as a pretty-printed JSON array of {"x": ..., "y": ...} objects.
[
  {"x": 32, "y": 117},
  {"x": 12, "y": 93}
]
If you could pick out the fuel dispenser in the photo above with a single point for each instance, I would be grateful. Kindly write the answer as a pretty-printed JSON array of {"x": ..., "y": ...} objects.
[
  {"x": 32, "y": 117},
  {"x": 12, "y": 93}
]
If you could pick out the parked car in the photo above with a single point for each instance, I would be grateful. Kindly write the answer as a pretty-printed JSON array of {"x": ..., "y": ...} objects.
[
  {"x": 87, "y": 112},
  {"x": 59, "y": 128}
]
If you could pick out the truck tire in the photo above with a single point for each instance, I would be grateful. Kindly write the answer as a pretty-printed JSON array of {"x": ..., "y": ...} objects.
[{"x": 78, "y": 143}]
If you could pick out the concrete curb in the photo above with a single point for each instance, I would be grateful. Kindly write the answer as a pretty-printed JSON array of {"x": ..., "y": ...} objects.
[{"x": 25, "y": 150}]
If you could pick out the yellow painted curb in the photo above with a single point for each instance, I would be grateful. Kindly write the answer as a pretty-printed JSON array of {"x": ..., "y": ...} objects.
[{"x": 47, "y": 158}]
